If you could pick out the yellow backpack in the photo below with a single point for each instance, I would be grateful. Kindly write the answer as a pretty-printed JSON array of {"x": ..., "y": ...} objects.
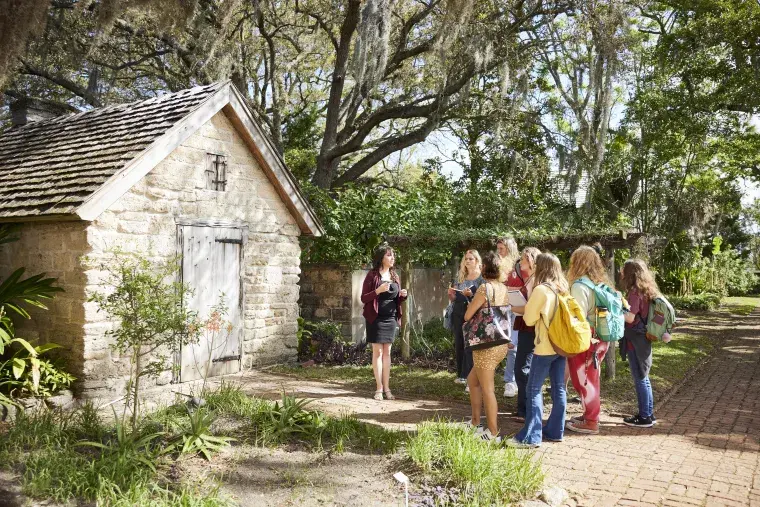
[{"x": 569, "y": 331}]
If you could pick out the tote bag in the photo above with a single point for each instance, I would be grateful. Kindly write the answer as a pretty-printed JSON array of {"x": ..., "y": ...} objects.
[{"x": 489, "y": 327}]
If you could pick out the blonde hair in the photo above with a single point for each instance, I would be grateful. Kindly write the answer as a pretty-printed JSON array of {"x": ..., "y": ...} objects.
[
  {"x": 549, "y": 270},
  {"x": 636, "y": 275},
  {"x": 507, "y": 263},
  {"x": 585, "y": 261},
  {"x": 531, "y": 253},
  {"x": 463, "y": 269}
]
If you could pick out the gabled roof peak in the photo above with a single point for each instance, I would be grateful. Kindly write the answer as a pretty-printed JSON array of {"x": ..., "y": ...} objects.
[{"x": 74, "y": 167}]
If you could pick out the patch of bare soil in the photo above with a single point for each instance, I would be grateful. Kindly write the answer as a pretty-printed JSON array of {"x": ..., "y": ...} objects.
[{"x": 256, "y": 477}]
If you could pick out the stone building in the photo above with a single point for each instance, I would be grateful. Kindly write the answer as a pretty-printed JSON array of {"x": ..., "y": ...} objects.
[{"x": 191, "y": 174}]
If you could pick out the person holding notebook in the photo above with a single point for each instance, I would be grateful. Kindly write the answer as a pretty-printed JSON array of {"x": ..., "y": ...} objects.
[
  {"x": 521, "y": 280},
  {"x": 461, "y": 293}
]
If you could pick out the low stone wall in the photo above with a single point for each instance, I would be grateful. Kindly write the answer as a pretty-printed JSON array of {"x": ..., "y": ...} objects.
[
  {"x": 330, "y": 291},
  {"x": 326, "y": 293}
]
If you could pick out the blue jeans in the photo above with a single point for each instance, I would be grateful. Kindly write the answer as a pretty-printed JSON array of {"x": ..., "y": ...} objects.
[
  {"x": 509, "y": 369},
  {"x": 525, "y": 346},
  {"x": 533, "y": 432},
  {"x": 642, "y": 385}
]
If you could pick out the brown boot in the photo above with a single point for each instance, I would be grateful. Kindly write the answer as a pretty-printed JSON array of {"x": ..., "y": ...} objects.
[{"x": 587, "y": 427}]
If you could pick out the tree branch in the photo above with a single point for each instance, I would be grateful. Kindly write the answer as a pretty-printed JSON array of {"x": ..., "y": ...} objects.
[
  {"x": 383, "y": 150},
  {"x": 61, "y": 81}
]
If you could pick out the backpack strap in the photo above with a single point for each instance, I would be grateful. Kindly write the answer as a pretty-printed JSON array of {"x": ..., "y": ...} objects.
[{"x": 556, "y": 305}]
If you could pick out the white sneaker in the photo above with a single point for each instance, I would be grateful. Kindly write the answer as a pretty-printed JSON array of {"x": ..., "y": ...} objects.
[
  {"x": 467, "y": 389},
  {"x": 489, "y": 437},
  {"x": 461, "y": 380},
  {"x": 510, "y": 390},
  {"x": 467, "y": 425}
]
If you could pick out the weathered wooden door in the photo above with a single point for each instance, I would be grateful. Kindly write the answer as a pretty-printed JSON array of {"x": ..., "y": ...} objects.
[{"x": 211, "y": 260}]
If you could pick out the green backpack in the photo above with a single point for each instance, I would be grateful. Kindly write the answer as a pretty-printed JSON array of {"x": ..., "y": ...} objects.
[
  {"x": 661, "y": 318},
  {"x": 610, "y": 322}
]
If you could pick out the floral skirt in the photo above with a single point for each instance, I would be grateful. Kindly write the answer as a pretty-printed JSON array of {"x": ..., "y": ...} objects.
[{"x": 489, "y": 359}]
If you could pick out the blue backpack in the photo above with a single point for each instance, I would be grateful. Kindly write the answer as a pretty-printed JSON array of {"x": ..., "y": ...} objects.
[{"x": 610, "y": 323}]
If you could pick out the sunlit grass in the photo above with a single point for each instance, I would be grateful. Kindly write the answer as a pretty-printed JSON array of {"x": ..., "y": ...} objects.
[
  {"x": 484, "y": 474},
  {"x": 741, "y": 305},
  {"x": 407, "y": 381}
]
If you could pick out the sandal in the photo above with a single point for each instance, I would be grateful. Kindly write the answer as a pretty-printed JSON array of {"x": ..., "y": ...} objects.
[
  {"x": 389, "y": 395},
  {"x": 378, "y": 395}
]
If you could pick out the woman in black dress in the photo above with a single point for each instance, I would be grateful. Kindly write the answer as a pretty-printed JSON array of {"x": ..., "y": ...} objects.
[{"x": 382, "y": 296}]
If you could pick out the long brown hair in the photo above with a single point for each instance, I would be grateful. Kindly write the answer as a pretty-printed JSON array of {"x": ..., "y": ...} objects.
[
  {"x": 636, "y": 275},
  {"x": 549, "y": 270},
  {"x": 586, "y": 261},
  {"x": 491, "y": 266},
  {"x": 377, "y": 260}
]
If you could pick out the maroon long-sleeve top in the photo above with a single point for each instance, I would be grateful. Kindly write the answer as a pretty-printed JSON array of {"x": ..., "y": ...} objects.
[{"x": 369, "y": 297}]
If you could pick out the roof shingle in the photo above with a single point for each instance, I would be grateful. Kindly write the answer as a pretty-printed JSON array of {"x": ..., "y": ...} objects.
[{"x": 51, "y": 167}]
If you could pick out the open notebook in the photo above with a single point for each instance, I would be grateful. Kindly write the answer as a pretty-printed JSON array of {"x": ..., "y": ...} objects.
[{"x": 516, "y": 298}]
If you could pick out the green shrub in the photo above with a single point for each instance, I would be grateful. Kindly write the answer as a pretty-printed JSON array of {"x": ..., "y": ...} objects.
[
  {"x": 323, "y": 341},
  {"x": 432, "y": 341},
  {"x": 703, "y": 301},
  {"x": 69, "y": 457},
  {"x": 484, "y": 474}
]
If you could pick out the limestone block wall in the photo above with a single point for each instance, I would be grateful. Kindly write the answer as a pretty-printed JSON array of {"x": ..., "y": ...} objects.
[
  {"x": 326, "y": 293},
  {"x": 58, "y": 250},
  {"x": 145, "y": 220},
  {"x": 330, "y": 291}
]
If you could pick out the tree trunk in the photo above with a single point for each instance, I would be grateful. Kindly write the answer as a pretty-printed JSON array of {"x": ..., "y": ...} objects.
[
  {"x": 327, "y": 164},
  {"x": 136, "y": 389},
  {"x": 406, "y": 318}
]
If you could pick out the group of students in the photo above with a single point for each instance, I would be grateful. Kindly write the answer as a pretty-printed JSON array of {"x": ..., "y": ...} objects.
[
  {"x": 531, "y": 357},
  {"x": 530, "y": 354}
]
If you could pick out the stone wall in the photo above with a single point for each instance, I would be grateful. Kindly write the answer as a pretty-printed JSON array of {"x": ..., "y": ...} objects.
[
  {"x": 145, "y": 220},
  {"x": 326, "y": 294},
  {"x": 58, "y": 250},
  {"x": 333, "y": 292}
]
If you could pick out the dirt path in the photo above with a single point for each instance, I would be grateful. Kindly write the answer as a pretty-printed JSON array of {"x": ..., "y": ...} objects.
[{"x": 705, "y": 449}]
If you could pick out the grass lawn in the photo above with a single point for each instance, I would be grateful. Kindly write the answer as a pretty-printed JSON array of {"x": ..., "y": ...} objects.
[
  {"x": 742, "y": 305},
  {"x": 407, "y": 381}
]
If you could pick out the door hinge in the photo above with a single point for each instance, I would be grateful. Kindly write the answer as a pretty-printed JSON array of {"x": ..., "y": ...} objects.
[
  {"x": 229, "y": 240},
  {"x": 226, "y": 358}
]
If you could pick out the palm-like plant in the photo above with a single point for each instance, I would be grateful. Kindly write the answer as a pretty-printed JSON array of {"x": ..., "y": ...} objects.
[
  {"x": 196, "y": 436},
  {"x": 17, "y": 292}
]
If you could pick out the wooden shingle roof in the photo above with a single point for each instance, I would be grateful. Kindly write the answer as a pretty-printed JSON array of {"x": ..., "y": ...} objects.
[
  {"x": 75, "y": 167},
  {"x": 51, "y": 167}
]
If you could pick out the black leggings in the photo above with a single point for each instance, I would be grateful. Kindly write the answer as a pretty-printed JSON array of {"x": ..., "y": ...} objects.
[{"x": 463, "y": 355}]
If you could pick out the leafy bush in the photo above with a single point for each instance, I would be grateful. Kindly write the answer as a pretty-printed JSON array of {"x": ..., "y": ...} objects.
[
  {"x": 73, "y": 456},
  {"x": 432, "y": 341},
  {"x": 154, "y": 321},
  {"x": 685, "y": 271},
  {"x": 323, "y": 341},
  {"x": 703, "y": 301},
  {"x": 483, "y": 474},
  {"x": 23, "y": 372}
]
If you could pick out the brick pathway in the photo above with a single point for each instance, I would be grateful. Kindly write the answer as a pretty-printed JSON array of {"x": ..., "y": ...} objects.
[{"x": 704, "y": 450}]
